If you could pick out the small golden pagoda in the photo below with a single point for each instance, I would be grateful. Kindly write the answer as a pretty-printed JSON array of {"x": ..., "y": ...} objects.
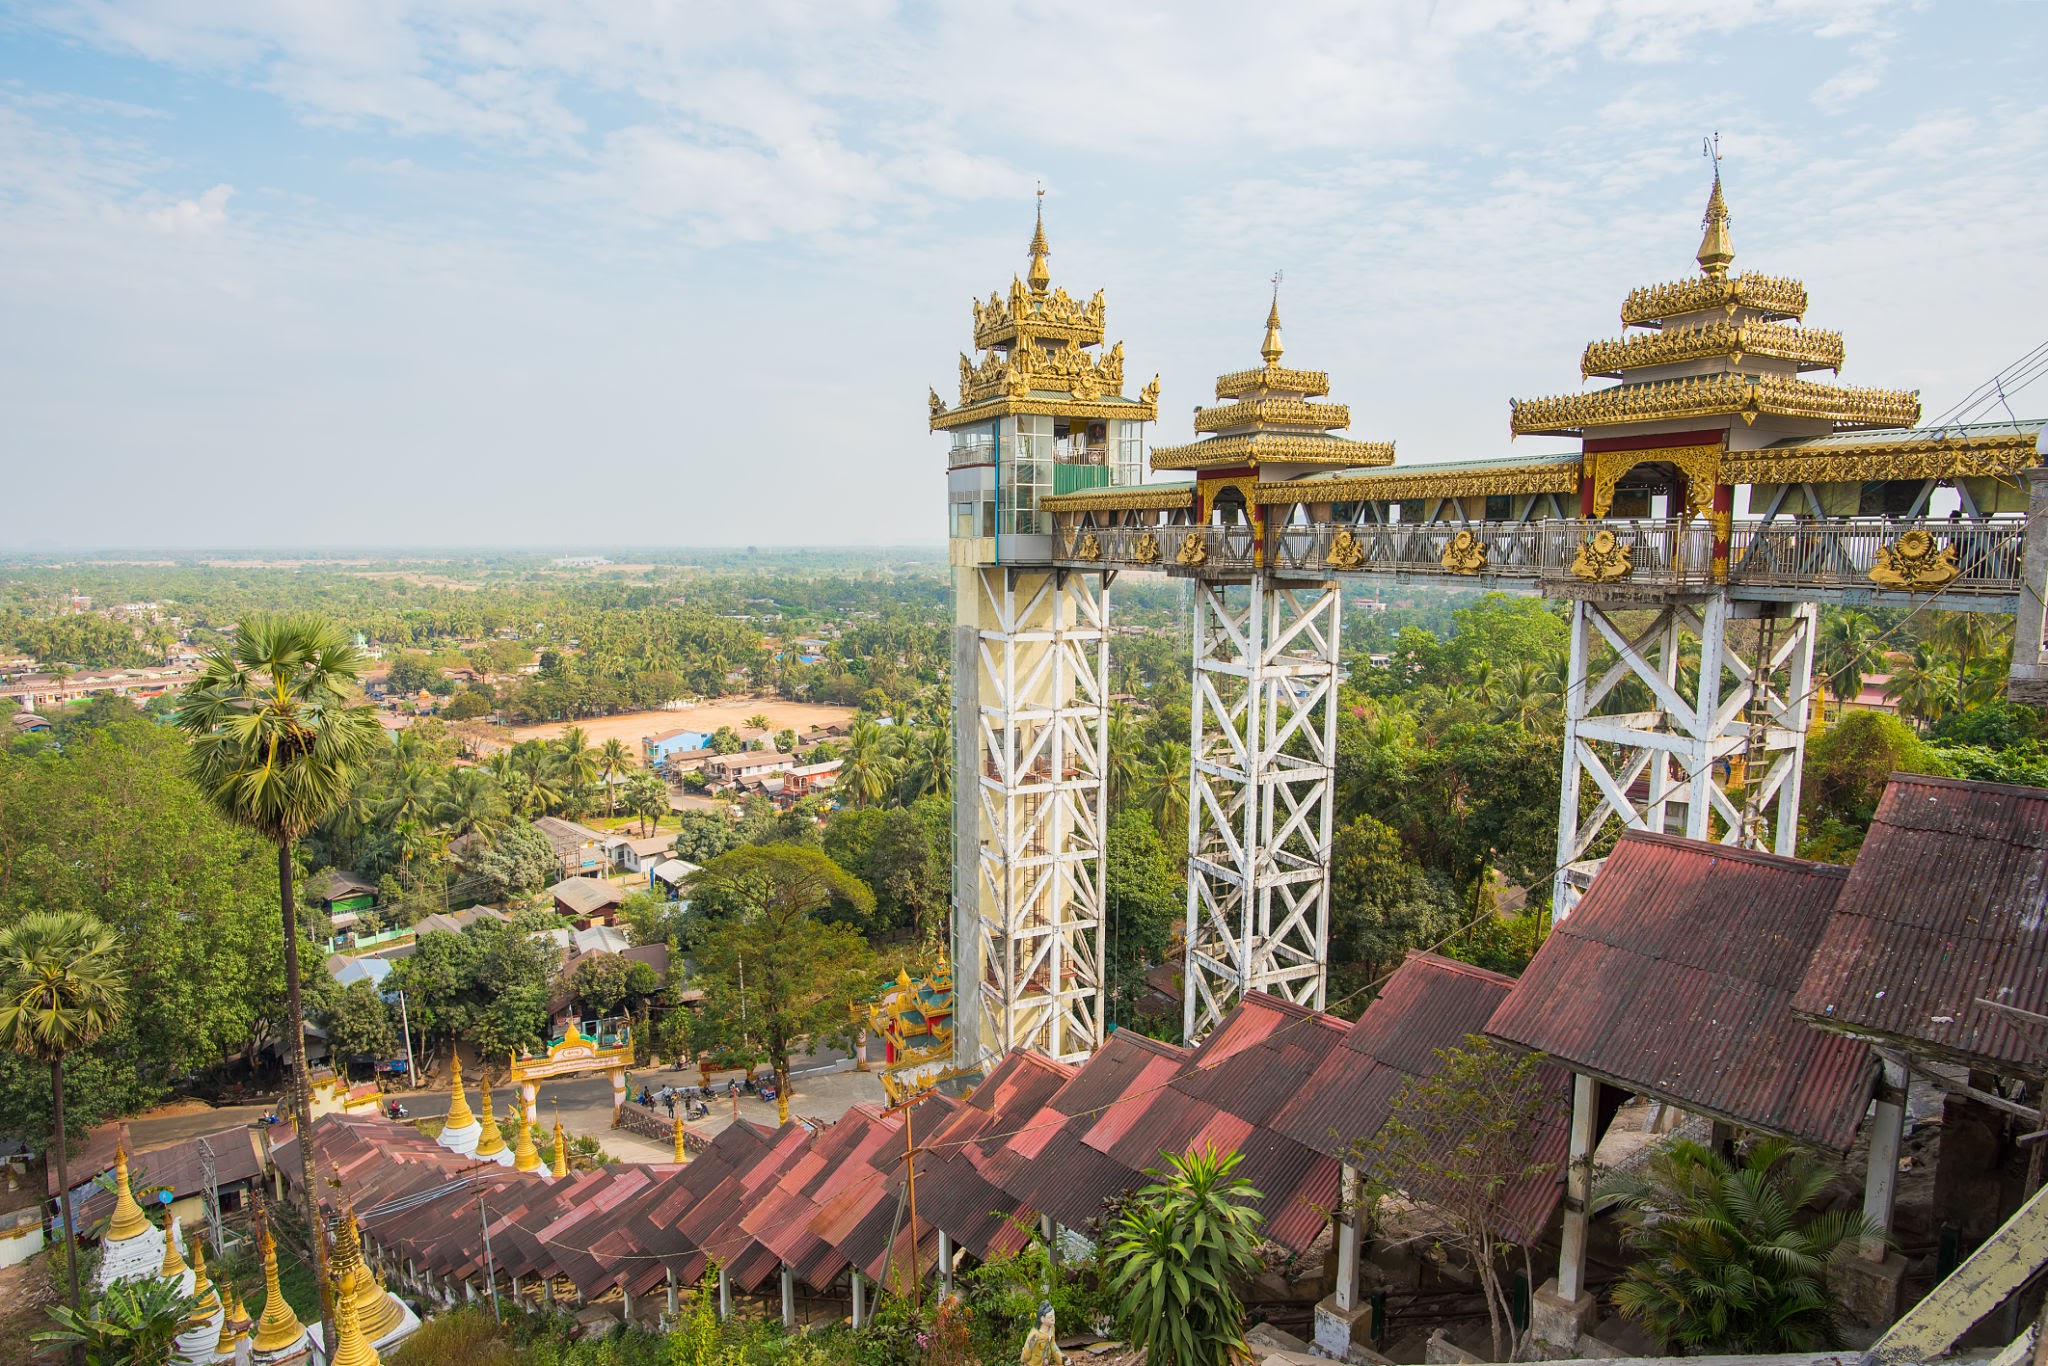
[
  {"x": 525, "y": 1157},
  {"x": 560, "y": 1166},
  {"x": 490, "y": 1144},
  {"x": 234, "y": 1323},
  {"x": 1270, "y": 429},
  {"x": 383, "y": 1317},
  {"x": 204, "y": 1324},
  {"x": 131, "y": 1248},
  {"x": 1716, "y": 372},
  {"x": 682, "y": 1153},
  {"x": 460, "y": 1133},
  {"x": 280, "y": 1337},
  {"x": 351, "y": 1346}
]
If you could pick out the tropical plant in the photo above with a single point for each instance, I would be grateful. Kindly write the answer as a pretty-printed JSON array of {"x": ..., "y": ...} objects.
[
  {"x": 612, "y": 760},
  {"x": 647, "y": 798},
  {"x": 135, "y": 1323},
  {"x": 1734, "y": 1255},
  {"x": 758, "y": 721},
  {"x": 577, "y": 764},
  {"x": 864, "y": 778},
  {"x": 472, "y": 803},
  {"x": 62, "y": 990},
  {"x": 1848, "y": 650},
  {"x": 276, "y": 737},
  {"x": 1173, "y": 1252}
]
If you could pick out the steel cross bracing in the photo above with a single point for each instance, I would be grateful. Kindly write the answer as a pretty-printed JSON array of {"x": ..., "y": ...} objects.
[
  {"x": 1043, "y": 657},
  {"x": 1264, "y": 733},
  {"x": 1666, "y": 768}
]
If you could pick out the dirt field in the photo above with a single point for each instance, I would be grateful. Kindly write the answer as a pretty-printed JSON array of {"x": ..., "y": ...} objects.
[{"x": 730, "y": 711}]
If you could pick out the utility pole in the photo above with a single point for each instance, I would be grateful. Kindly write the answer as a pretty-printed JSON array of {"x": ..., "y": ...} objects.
[
  {"x": 412, "y": 1072},
  {"x": 212, "y": 1186},
  {"x": 907, "y": 1105},
  {"x": 490, "y": 1262}
]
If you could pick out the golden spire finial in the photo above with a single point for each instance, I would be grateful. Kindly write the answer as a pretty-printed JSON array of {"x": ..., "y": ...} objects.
[
  {"x": 174, "y": 1261},
  {"x": 127, "y": 1219},
  {"x": 1270, "y": 348},
  {"x": 1041, "y": 273},
  {"x": 459, "y": 1116},
  {"x": 491, "y": 1142},
  {"x": 209, "y": 1299},
  {"x": 1717, "y": 249},
  {"x": 682, "y": 1149},
  {"x": 525, "y": 1157},
  {"x": 234, "y": 1322},
  {"x": 351, "y": 1348},
  {"x": 279, "y": 1328},
  {"x": 561, "y": 1163}
]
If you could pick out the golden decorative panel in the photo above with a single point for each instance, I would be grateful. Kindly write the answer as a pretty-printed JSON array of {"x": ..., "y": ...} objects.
[
  {"x": 1913, "y": 563},
  {"x": 1466, "y": 554},
  {"x": 1997, "y": 457},
  {"x": 1345, "y": 552},
  {"x": 1121, "y": 500},
  {"x": 1396, "y": 486},
  {"x": 1253, "y": 447},
  {"x": 1764, "y": 293},
  {"x": 1056, "y": 316},
  {"x": 1715, "y": 341},
  {"x": 1602, "y": 559},
  {"x": 1018, "y": 372},
  {"x": 1089, "y": 548},
  {"x": 1744, "y": 396},
  {"x": 1193, "y": 552},
  {"x": 1275, "y": 379},
  {"x": 1278, "y": 412},
  {"x": 1145, "y": 548}
]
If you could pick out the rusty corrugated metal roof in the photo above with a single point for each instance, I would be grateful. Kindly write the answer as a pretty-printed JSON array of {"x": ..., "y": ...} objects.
[
  {"x": 1945, "y": 904},
  {"x": 1674, "y": 977}
]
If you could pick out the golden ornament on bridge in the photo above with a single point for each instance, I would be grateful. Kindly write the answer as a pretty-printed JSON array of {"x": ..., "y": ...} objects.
[
  {"x": 1089, "y": 547},
  {"x": 1145, "y": 550},
  {"x": 1914, "y": 562},
  {"x": 1601, "y": 559},
  {"x": 1194, "y": 551},
  {"x": 1466, "y": 554},
  {"x": 1345, "y": 552}
]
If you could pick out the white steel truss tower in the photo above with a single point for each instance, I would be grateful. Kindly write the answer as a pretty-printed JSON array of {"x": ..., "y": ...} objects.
[
  {"x": 1728, "y": 682},
  {"x": 1264, "y": 735},
  {"x": 1033, "y": 813}
]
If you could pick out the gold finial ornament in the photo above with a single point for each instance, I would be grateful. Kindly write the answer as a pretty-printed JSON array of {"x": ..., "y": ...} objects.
[
  {"x": 351, "y": 1348},
  {"x": 682, "y": 1147},
  {"x": 1270, "y": 350},
  {"x": 234, "y": 1322},
  {"x": 491, "y": 1142},
  {"x": 174, "y": 1263},
  {"x": 561, "y": 1164},
  {"x": 459, "y": 1114},
  {"x": 1717, "y": 249},
  {"x": 1041, "y": 273},
  {"x": 525, "y": 1157},
  {"x": 279, "y": 1328},
  {"x": 202, "y": 1286},
  {"x": 128, "y": 1220}
]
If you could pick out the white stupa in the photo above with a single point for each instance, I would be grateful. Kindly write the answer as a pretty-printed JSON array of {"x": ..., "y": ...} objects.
[
  {"x": 202, "y": 1331},
  {"x": 132, "y": 1248},
  {"x": 461, "y": 1132}
]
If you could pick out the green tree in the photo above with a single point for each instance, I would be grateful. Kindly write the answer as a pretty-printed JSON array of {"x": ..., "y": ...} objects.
[
  {"x": 1144, "y": 899},
  {"x": 702, "y": 836},
  {"x": 508, "y": 996},
  {"x": 472, "y": 803},
  {"x": 1733, "y": 1256},
  {"x": 578, "y": 765},
  {"x": 1846, "y": 769},
  {"x": 866, "y": 774},
  {"x": 135, "y": 1323},
  {"x": 758, "y": 721},
  {"x": 1173, "y": 1254},
  {"x": 1382, "y": 902},
  {"x": 774, "y": 975},
  {"x": 358, "y": 1022},
  {"x": 60, "y": 989},
  {"x": 725, "y": 740},
  {"x": 612, "y": 761},
  {"x": 275, "y": 738},
  {"x": 785, "y": 740},
  {"x": 1848, "y": 649},
  {"x": 1462, "y": 1141},
  {"x": 647, "y": 798},
  {"x": 516, "y": 863}
]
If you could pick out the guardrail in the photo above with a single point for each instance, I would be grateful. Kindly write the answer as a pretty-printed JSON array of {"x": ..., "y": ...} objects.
[
  {"x": 1953, "y": 556},
  {"x": 1497, "y": 549}
]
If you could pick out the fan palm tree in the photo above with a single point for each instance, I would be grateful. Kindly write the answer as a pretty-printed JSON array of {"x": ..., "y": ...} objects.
[
  {"x": 276, "y": 739},
  {"x": 1847, "y": 650},
  {"x": 865, "y": 775},
  {"x": 612, "y": 760},
  {"x": 1734, "y": 1257},
  {"x": 62, "y": 990}
]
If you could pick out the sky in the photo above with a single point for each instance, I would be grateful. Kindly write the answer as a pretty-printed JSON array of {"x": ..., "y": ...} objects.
[{"x": 591, "y": 273}]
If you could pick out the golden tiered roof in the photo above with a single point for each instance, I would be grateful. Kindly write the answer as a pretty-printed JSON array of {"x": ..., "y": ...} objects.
[
  {"x": 1038, "y": 360},
  {"x": 1272, "y": 420},
  {"x": 1744, "y": 357},
  {"x": 279, "y": 1328}
]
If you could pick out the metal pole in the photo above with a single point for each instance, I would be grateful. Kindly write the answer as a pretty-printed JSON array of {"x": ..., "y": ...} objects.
[
  {"x": 490, "y": 1262},
  {"x": 910, "y": 1179},
  {"x": 412, "y": 1071}
]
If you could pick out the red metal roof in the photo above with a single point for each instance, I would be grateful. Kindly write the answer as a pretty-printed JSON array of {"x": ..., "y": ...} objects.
[
  {"x": 1674, "y": 977},
  {"x": 1945, "y": 904},
  {"x": 1429, "y": 1004}
]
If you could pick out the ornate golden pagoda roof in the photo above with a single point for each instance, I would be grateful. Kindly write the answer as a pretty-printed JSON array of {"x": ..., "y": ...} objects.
[
  {"x": 1037, "y": 359},
  {"x": 1164, "y": 497},
  {"x": 1730, "y": 333},
  {"x": 1271, "y": 419},
  {"x": 1452, "y": 479}
]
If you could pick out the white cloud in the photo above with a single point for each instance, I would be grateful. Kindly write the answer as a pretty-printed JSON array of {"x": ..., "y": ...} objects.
[{"x": 202, "y": 214}]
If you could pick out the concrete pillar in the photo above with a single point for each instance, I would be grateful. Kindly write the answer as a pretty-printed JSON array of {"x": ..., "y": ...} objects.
[
  {"x": 2029, "y": 675},
  {"x": 724, "y": 1293},
  {"x": 860, "y": 1301},
  {"x": 1870, "y": 1286},
  {"x": 529, "y": 1096},
  {"x": 626, "y": 1300},
  {"x": 1563, "y": 1308},
  {"x": 788, "y": 1298},
  {"x": 945, "y": 1262},
  {"x": 618, "y": 1075},
  {"x": 1340, "y": 1320},
  {"x": 673, "y": 1306}
]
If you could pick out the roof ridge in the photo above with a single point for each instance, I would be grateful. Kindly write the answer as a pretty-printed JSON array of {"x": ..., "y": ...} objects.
[{"x": 1735, "y": 851}]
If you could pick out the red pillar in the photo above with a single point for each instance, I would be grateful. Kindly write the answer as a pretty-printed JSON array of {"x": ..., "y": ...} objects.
[{"x": 1722, "y": 519}]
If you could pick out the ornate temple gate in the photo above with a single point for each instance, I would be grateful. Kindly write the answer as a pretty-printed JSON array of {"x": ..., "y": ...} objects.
[{"x": 1264, "y": 730}]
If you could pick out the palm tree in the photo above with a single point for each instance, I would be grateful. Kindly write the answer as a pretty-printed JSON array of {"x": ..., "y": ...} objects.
[
  {"x": 612, "y": 760},
  {"x": 1166, "y": 790},
  {"x": 62, "y": 991},
  {"x": 576, "y": 762},
  {"x": 472, "y": 803},
  {"x": 647, "y": 798},
  {"x": 865, "y": 775},
  {"x": 1924, "y": 687},
  {"x": 1848, "y": 649},
  {"x": 927, "y": 764},
  {"x": 276, "y": 739},
  {"x": 1734, "y": 1257},
  {"x": 758, "y": 722},
  {"x": 1124, "y": 761}
]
